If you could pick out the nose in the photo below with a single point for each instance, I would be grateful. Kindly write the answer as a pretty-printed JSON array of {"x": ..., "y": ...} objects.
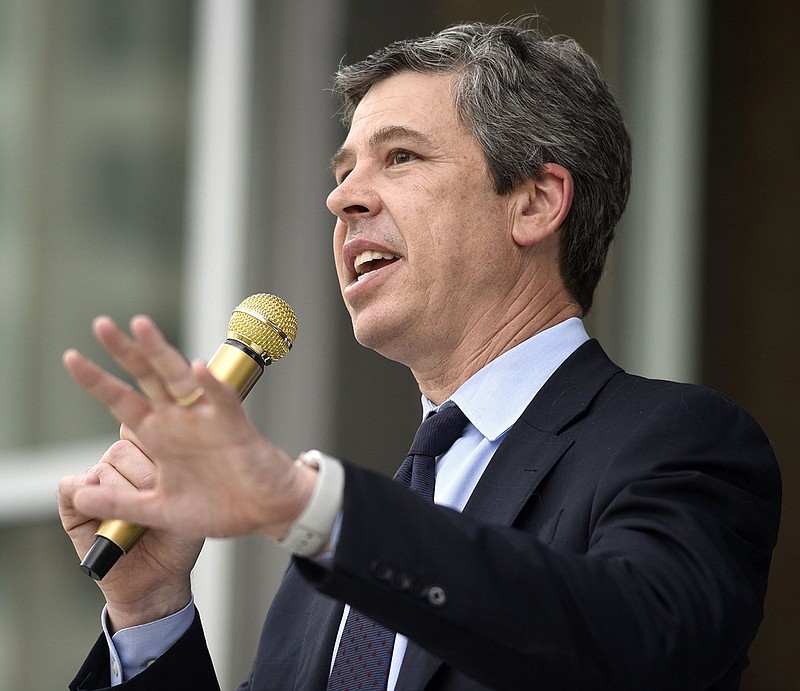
[{"x": 354, "y": 197}]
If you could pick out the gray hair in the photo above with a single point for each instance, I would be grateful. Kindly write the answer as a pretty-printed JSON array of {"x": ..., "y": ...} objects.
[{"x": 528, "y": 100}]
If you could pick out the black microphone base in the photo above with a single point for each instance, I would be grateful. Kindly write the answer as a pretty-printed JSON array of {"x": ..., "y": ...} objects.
[{"x": 102, "y": 555}]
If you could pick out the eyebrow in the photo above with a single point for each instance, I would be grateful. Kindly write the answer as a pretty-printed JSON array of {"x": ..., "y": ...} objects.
[{"x": 389, "y": 133}]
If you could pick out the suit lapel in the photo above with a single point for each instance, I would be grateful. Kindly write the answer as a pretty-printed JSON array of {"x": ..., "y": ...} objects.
[
  {"x": 531, "y": 449},
  {"x": 534, "y": 444},
  {"x": 518, "y": 466}
]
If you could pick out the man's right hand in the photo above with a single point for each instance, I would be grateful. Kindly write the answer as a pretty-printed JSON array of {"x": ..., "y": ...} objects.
[{"x": 152, "y": 580}]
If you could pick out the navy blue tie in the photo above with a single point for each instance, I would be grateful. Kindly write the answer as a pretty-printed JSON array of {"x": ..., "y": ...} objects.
[{"x": 365, "y": 649}]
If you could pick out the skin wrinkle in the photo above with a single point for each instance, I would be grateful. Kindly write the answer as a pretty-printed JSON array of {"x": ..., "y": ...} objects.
[
  {"x": 514, "y": 326},
  {"x": 509, "y": 336},
  {"x": 394, "y": 135}
]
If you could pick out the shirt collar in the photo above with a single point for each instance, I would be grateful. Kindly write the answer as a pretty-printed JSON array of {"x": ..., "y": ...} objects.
[{"x": 495, "y": 397}]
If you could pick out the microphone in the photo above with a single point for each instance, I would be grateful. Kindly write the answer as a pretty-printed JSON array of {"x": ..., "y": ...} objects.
[{"x": 261, "y": 330}]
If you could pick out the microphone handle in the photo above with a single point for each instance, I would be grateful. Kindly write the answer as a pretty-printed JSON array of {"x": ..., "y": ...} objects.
[{"x": 235, "y": 364}]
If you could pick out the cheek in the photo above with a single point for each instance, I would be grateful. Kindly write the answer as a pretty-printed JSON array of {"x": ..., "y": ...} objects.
[
  {"x": 451, "y": 229},
  {"x": 470, "y": 242},
  {"x": 339, "y": 233}
]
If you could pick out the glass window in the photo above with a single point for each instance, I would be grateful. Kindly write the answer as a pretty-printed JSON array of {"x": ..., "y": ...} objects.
[
  {"x": 93, "y": 108},
  {"x": 91, "y": 182}
]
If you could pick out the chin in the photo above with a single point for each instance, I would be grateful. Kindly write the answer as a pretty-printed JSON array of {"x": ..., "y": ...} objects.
[
  {"x": 379, "y": 336},
  {"x": 369, "y": 336}
]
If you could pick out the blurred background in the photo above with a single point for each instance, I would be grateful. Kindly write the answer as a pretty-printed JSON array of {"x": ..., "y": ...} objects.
[{"x": 170, "y": 157}]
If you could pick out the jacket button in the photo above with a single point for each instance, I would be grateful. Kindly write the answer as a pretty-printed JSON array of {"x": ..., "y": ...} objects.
[
  {"x": 381, "y": 570},
  {"x": 402, "y": 582},
  {"x": 437, "y": 596}
]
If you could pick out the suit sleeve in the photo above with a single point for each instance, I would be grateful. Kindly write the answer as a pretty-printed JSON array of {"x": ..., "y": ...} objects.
[
  {"x": 677, "y": 517},
  {"x": 186, "y": 666}
]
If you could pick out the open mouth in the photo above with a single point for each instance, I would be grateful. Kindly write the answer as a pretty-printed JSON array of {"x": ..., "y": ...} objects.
[{"x": 372, "y": 260}]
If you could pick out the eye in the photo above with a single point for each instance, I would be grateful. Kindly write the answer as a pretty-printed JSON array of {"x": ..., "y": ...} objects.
[{"x": 400, "y": 156}]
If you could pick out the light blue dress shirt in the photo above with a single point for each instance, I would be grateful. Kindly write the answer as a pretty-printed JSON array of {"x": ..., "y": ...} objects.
[{"x": 493, "y": 399}]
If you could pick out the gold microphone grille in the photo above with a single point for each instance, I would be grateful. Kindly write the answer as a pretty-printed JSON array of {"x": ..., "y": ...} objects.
[{"x": 265, "y": 323}]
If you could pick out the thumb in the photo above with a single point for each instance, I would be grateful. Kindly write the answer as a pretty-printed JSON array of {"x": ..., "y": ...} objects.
[{"x": 124, "y": 503}]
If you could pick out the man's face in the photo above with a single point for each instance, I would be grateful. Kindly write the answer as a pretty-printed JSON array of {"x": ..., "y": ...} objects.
[{"x": 422, "y": 241}]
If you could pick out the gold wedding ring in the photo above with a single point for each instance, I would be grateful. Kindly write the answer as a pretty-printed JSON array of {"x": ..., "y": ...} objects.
[{"x": 189, "y": 399}]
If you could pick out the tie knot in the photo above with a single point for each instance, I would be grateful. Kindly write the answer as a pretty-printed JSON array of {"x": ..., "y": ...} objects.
[{"x": 437, "y": 432}]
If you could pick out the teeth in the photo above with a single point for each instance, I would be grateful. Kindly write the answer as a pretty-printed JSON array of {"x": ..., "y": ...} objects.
[{"x": 369, "y": 256}]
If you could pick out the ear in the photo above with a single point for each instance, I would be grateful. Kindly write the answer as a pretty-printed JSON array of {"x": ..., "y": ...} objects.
[{"x": 543, "y": 205}]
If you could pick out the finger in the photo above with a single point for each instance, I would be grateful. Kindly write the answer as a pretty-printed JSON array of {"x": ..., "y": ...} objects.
[
  {"x": 127, "y": 434},
  {"x": 114, "y": 501},
  {"x": 125, "y": 464},
  {"x": 218, "y": 393},
  {"x": 168, "y": 362},
  {"x": 124, "y": 402},
  {"x": 67, "y": 486},
  {"x": 129, "y": 355}
]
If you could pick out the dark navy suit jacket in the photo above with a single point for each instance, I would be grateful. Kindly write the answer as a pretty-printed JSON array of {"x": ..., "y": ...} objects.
[{"x": 620, "y": 538}]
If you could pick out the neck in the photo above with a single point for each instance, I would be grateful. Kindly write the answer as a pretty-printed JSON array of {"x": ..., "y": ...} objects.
[{"x": 439, "y": 377}]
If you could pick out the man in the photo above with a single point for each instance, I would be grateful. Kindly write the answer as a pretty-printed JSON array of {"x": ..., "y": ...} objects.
[{"x": 591, "y": 529}]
